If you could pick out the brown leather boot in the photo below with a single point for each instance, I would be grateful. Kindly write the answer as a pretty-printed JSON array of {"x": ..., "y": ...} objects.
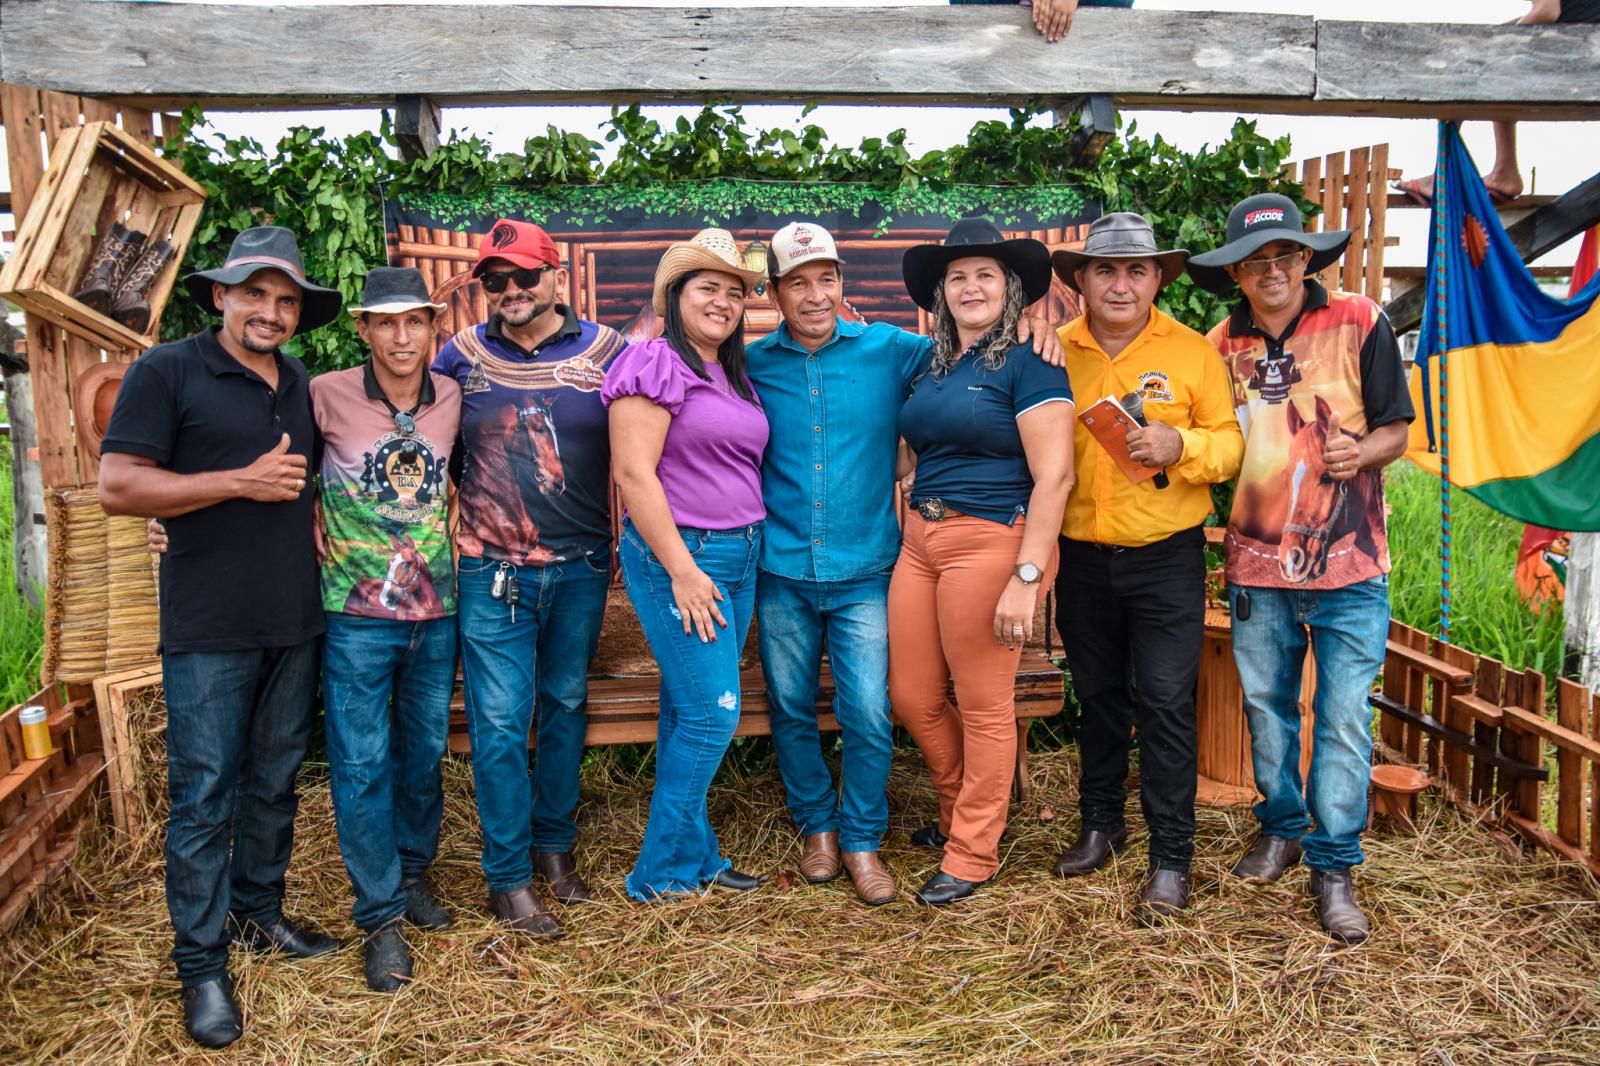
[
  {"x": 874, "y": 883},
  {"x": 819, "y": 861},
  {"x": 522, "y": 911},
  {"x": 1092, "y": 850},
  {"x": 558, "y": 868},
  {"x": 113, "y": 257},
  {"x": 1337, "y": 908},
  {"x": 132, "y": 304},
  {"x": 1268, "y": 859},
  {"x": 1165, "y": 893}
]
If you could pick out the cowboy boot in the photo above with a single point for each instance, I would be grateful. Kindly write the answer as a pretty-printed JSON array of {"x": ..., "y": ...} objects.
[
  {"x": 113, "y": 257},
  {"x": 1337, "y": 909},
  {"x": 819, "y": 861},
  {"x": 132, "y": 306}
]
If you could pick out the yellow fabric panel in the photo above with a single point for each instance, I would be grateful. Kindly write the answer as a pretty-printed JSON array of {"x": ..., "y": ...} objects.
[{"x": 1515, "y": 410}]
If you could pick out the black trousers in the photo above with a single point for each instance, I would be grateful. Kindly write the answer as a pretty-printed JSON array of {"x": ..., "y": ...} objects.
[{"x": 1132, "y": 622}]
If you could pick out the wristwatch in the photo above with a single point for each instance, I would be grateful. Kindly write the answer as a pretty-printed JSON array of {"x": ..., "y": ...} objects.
[{"x": 1027, "y": 573}]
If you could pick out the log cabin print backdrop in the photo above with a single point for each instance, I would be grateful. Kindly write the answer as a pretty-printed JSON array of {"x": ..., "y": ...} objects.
[{"x": 611, "y": 239}]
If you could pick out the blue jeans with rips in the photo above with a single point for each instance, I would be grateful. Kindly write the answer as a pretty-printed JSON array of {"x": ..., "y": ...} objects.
[
  {"x": 1347, "y": 630},
  {"x": 237, "y": 727},
  {"x": 386, "y": 708},
  {"x": 700, "y": 701},
  {"x": 516, "y": 662},
  {"x": 853, "y": 618}
]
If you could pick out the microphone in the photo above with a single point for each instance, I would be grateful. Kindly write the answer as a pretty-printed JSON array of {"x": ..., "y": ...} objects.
[{"x": 1133, "y": 403}]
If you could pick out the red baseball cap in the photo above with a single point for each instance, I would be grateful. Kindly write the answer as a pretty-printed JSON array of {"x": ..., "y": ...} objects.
[{"x": 519, "y": 243}]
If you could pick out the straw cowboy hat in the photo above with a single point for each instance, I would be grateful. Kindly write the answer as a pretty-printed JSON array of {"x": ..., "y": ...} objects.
[
  {"x": 390, "y": 290},
  {"x": 267, "y": 247},
  {"x": 710, "y": 249},
  {"x": 923, "y": 265},
  {"x": 1119, "y": 235},
  {"x": 1255, "y": 222}
]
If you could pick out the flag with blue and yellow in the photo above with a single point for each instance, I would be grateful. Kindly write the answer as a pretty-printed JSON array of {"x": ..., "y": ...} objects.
[{"x": 1508, "y": 376}]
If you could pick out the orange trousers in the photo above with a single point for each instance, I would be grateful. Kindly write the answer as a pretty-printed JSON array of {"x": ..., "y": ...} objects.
[{"x": 942, "y": 597}]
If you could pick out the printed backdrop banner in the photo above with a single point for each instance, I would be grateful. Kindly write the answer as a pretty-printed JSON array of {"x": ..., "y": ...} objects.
[{"x": 611, "y": 238}]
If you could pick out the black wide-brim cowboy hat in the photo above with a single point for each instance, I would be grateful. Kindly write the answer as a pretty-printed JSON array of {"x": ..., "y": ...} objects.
[
  {"x": 1255, "y": 222},
  {"x": 923, "y": 265},
  {"x": 267, "y": 248}
]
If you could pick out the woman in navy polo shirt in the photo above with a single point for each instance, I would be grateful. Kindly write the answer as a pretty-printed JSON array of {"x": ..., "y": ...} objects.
[{"x": 989, "y": 430}]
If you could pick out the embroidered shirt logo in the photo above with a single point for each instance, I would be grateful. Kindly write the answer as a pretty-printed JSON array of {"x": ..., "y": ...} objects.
[{"x": 1154, "y": 385}]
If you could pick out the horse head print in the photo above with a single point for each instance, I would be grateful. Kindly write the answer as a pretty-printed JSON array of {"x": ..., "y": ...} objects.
[
  {"x": 406, "y": 589},
  {"x": 535, "y": 420},
  {"x": 1319, "y": 507},
  {"x": 405, "y": 567}
]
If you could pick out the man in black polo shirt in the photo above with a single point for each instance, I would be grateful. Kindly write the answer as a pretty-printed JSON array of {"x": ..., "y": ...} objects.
[{"x": 212, "y": 434}]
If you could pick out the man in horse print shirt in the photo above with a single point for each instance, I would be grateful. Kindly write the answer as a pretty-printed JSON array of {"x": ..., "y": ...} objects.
[
  {"x": 535, "y": 560},
  {"x": 1308, "y": 555},
  {"x": 1130, "y": 595}
]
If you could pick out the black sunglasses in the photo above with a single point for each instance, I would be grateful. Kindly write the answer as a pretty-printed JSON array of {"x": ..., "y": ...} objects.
[
  {"x": 406, "y": 423},
  {"x": 496, "y": 280}
]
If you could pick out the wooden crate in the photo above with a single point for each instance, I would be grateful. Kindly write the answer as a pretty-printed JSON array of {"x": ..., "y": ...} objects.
[
  {"x": 43, "y": 802},
  {"x": 98, "y": 175}
]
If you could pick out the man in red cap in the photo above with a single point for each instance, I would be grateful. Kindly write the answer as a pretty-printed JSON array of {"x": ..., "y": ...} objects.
[{"x": 535, "y": 559}]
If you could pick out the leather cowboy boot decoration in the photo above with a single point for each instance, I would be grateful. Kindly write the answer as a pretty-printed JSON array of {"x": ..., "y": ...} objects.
[
  {"x": 132, "y": 306},
  {"x": 113, "y": 257}
]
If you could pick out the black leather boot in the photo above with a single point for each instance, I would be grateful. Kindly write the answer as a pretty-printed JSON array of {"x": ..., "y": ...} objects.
[
  {"x": 422, "y": 909},
  {"x": 1268, "y": 859},
  {"x": 210, "y": 1014},
  {"x": 281, "y": 934},
  {"x": 387, "y": 959}
]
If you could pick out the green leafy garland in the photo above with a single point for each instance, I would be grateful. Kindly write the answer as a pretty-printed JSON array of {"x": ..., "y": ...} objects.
[{"x": 329, "y": 190}]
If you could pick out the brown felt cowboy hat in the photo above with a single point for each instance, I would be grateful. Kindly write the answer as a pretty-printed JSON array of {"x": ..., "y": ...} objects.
[
  {"x": 923, "y": 265},
  {"x": 1119, "y": 235},
  {"x": 1255, "y": 222},
  {"x": 710, "y": 249},
  {"x": 267, "y": 248}
]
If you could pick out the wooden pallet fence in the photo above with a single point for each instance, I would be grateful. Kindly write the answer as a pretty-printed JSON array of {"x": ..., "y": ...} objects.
[
  {"x": 1482, "y": 732},
  {"x": 133, "y": 723},
  {"x": 44, "y": 802},
  {"x": 1353, "y": 189}
]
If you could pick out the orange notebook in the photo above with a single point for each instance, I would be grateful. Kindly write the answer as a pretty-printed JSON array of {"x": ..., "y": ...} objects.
[{"x": 1109, "y": 424}]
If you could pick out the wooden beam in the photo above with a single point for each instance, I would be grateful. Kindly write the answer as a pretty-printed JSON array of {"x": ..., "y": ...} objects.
[
  {"x": 416, "y": 126},
  {"x": 1540, "y": 231}
]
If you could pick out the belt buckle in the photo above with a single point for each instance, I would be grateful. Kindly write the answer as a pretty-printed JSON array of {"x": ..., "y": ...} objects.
[{"x": 932, "y": 510}]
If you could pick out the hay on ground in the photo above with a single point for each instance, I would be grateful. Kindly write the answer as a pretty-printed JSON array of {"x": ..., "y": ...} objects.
[{"x": 1480, "y": 955}]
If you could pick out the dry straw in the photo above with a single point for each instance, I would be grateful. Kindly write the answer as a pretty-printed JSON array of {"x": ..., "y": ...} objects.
[
  {"x": 101, "y": 614},
  {"x": 1480, "y": 955}
]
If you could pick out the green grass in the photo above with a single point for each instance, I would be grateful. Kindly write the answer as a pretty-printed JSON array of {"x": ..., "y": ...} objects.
[
  {"x": 21, "y": 627},
  {"x": 1488, "y": 617}
]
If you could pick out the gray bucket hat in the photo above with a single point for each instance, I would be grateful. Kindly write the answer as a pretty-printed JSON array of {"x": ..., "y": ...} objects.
[
  {"x": 1257, "y": 221},
  {"x": 269, "y": 248},
  {"x": 393, "y": 289},
  {"x": 1119, "y": 235}
]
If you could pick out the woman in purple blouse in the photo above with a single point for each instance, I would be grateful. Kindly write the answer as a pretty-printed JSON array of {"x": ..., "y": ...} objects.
[{"x": 687, "y": 434}]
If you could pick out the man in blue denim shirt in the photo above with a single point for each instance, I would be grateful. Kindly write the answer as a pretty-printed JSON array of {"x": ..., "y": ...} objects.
[{"x": 832, "y": 390}]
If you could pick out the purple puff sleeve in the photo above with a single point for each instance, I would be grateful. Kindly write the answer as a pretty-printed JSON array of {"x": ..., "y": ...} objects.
[{"x": 650, "y": 369}]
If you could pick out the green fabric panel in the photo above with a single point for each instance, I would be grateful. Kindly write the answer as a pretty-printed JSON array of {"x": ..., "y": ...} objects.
[{"x": 1567, "y": 496}]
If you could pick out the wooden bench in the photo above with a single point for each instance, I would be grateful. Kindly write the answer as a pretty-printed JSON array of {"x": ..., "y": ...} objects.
[{"x": 625, "y": 710}]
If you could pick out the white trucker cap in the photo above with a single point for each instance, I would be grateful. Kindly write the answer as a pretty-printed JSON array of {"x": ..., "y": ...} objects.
[{"x": 801, "y": 242}]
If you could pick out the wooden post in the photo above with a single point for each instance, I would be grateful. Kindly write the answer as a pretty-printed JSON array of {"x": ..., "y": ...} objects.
[
  {"x": 1096, "y": 114},
  {"x": 1583, "y": 608},
  {"x": 416, "y": 126}
]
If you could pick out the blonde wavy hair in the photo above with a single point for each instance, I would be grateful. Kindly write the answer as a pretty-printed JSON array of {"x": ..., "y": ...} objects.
[{"x": 1000, "y": 339}]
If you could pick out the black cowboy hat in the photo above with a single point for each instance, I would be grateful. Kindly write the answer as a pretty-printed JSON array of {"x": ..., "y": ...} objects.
[
  {"x": 390, "y": 290},
  {"x": 923, "y": 264},
  {"x": 266, "y": 248},
  {"x": 1119, "y": 235},
  {"x": 1255, "y": 222}
]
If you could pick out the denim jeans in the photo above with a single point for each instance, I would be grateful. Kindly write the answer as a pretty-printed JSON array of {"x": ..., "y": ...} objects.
[
  {"x": 386, "y": 698},
  {"x": 1348, "y": 629},
  {"x": 237, "y": 727},
  {"x": 700, "y": 701},
  {"x": 853, "y": 617},
  {"x": 519, "y": 661},
  {"x": 1132, "y": 623}
]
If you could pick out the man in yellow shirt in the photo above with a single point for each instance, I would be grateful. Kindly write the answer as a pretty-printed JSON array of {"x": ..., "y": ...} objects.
[{"x": 1130, "y": 596}]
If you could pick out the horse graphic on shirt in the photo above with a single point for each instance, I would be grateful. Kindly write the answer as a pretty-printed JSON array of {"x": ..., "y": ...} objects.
[
  {"x": 1321, "y": 510},
  {"x": 504, "y": 478},
  {"x": 405, "y": 591}
]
